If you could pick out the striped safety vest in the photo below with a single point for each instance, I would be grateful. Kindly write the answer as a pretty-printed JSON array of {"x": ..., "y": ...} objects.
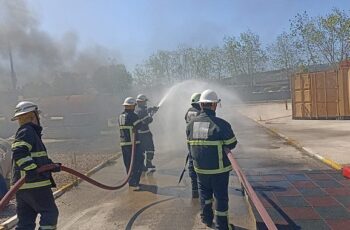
[
  {"x": 29, "y": 153},
  {"x": 208, "y": 136},
  {"x": 128, "y": 122}
]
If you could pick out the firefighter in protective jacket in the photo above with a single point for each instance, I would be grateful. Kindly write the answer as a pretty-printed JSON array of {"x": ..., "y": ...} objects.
[
  {"x": 29, "y": 153},
  {"x": 209, "y": 137},
  {"x": 129, "y": 123},
  {"x": 190, "y": 114},
  {"x": 145, "y": 115}
]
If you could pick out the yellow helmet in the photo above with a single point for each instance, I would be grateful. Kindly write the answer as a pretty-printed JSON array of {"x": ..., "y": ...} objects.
[{"x": 195, "y": 98}]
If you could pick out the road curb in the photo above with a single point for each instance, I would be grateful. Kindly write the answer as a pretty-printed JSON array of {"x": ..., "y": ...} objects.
[
  {"x": 12, "y": 221},
  {"x": 297, "y": 145},
  {"x": 305, "y": 150}
]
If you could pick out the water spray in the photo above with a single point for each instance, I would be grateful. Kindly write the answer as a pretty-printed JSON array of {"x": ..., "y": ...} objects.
[{"x": 168, "y": 93}]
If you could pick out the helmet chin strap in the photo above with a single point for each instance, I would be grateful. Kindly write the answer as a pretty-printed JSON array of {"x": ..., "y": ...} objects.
[{"x": 37, "y": 117}]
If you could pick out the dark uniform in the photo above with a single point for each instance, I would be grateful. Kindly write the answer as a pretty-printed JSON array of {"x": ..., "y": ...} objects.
[
  {"x": 190, "y": 114},
  {"x": 128, "y": 123},
  {"x": 5, "y": 166},
  {"x": 145, "y": 134},
  {"x": 208, "y": 137},
  {"x": 35, "y": 196}
]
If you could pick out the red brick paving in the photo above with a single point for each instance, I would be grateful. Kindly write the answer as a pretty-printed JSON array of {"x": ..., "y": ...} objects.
[
  {"x": 304, "y": 184},
  {"x": 339, "y": 224},
  {"x": 302, "y": 213},
  {"x": 338, "y": 191},
  {"x": 322, "y": 201},
  {"x": 319, "y": 176},
  {"x": 326, "y": 196}
]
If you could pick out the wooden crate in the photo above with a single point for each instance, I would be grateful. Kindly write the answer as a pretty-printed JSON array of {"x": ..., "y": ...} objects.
[{"x": 322, "y": 95}]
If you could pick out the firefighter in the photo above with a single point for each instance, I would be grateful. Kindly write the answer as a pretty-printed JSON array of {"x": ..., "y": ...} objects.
[
  {"x": 145, "y": 115},
  {"x": 209, "y": 138},
  {"x": 129, "y": 123},
  {"x": 190, "y": 114},
  {"x": 5, "y": 165},
  {"x": 29, "y": 153}
]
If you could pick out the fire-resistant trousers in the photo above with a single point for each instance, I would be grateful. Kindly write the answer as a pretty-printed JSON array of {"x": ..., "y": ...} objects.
[
  {"x": 30, "y": 203},
  {"x": 3, "y": 186},
  {"x": 147, "y": 146},
  {"x": 138, "y": 163},
  {"x": 217, "y": 185},
  {"x": 192, "y": 174}
]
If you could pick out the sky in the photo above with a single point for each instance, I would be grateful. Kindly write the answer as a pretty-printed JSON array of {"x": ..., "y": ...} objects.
[{"x": 136, "y": 29}]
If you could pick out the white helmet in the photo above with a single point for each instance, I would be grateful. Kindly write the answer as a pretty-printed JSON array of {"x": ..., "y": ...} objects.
[
  {"x": 129, "y": 101},
  {"x": 24, "y": 107},
  {"x": 141, "y": 97},
  {"x": 209, "y": 96}
]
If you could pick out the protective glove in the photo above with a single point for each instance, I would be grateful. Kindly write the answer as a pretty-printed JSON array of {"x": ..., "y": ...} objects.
[
  {"x": 57, "y": 168},
  {"x": 153, "y": 110},
  {"x": 32, "y": 175}
]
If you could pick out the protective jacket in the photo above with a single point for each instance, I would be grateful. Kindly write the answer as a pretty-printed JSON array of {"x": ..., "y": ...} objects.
[
  {"x": 5, "y": 158},
  {"x": 145, "y": 118},
  {"x": 128, "y": 121},
  {"x": 208, "y": 136},
  {"x": 29, "y": 153},
  {"x": 192, "y": 112}
]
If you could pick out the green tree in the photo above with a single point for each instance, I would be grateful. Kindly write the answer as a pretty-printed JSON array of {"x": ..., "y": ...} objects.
[
  {"x": 283, "y": 54},
  {"x": 245, "y": 55},
  {"x": 217, "y": 62},
  {"x": 324, "y": 38},
  {"x": 143, "y": 76},
  {"x": 160, "y": 66}
]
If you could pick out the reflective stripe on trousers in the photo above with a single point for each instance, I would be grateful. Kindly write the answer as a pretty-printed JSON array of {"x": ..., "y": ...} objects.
[
  {"x": 144, "y": 131},
  {"x": 214, "y": 186}
]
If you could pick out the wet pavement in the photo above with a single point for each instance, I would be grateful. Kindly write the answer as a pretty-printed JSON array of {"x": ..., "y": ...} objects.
[
  {"x": 318, "y": 199},
  {"x": 159, "y": 203},
  {"x": 298, "y": 192}
]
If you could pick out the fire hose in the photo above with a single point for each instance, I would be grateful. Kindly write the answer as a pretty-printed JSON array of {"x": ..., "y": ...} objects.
[
  {"x": 49, "y": 167},
  {"x": 251, "y": 193}
]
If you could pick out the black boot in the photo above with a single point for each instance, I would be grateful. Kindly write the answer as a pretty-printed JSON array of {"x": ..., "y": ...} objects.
[
  {"x": 207, "y": 219},
  {"x": 149, "y": 164},
  {"x": 144, "y": 168},
  {"x": 208, "y": 223}
]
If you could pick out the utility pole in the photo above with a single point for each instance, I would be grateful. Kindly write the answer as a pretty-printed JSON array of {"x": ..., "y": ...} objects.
[
  {"x": 347, "y": 49},
  {"x": 13, "y": 73}
]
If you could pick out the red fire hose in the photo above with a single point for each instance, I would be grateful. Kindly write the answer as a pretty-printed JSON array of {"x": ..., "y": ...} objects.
[
  {"x": 251, "y": 193},
  {"x": 6, "y": 199}
]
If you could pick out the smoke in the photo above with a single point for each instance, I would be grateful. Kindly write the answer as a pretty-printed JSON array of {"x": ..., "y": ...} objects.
[
  {"x": 39, "y": 56},
  {"x": 169, "y": 124}
]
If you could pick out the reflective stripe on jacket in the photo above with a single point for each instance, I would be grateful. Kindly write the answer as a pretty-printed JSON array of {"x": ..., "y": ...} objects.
[
  {"x": 208, "y": 136},
  {"x": 128, "y": 121},
  {"x": 144, "y": 117},
  {"x": 29, "y": 153},
  {"x": 191, "y": 113}
]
